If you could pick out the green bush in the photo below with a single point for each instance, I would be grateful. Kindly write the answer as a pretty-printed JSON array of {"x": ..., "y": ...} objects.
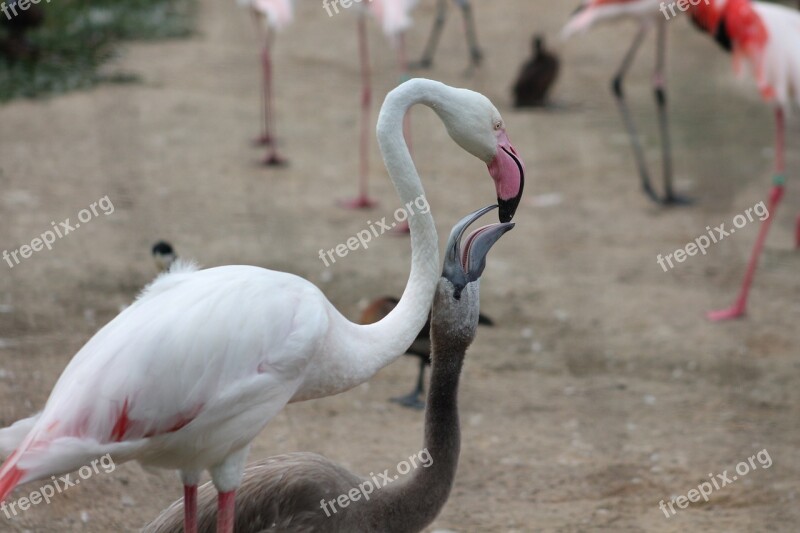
[{"x": 79, "y": 36}]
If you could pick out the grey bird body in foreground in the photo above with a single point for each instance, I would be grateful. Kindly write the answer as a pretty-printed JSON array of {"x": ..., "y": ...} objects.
[{"x": 284, "y": 493}]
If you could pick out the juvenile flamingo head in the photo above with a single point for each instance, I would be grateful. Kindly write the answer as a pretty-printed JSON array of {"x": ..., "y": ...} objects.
[
  {"x": 476, "y": 125},
  {"x": 456, "y": 308}
]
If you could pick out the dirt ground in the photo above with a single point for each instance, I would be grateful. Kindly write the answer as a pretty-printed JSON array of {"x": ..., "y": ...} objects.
[{"x": 601, "y": 391}]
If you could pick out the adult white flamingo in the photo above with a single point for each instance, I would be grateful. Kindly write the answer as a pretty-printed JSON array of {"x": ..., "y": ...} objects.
[
  {"x": 270, "y": 16},
  {"x": 475, "y": 52},
  {"x": 647, "y": 15},
  {"x": 394, "y": 17},
  {"x": 767, "y": 37},
  {"x": 293, "y": 493},
  {"x": 187, "y": 376}
]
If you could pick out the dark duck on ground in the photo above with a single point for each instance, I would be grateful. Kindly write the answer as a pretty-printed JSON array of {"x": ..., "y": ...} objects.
[{"x": 536, "y": 77}]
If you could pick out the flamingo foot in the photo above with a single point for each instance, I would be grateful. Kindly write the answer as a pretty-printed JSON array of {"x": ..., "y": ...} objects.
[
  {"x": 400, "y": 230},
  {"x": 360, "y": 202},
  {"x": 676, "y": 200},
  {"x": 411, "y": 401},
  {"x": 274, "y": 160},
  {"x": 476, "y": 60},
  {"x": 733, "y": 313}
]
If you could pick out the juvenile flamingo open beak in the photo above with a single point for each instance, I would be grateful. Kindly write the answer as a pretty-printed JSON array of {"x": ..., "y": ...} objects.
[
  {"x": 508, "y": 173},
  {"x": 464, "y": 267}
]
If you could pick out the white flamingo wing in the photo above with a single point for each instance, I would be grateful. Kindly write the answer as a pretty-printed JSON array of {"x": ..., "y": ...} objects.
[
  {"x": 235, "y": 342},
  {"x": 279, "y": 13},
  {"x": 779, "y": 69}
]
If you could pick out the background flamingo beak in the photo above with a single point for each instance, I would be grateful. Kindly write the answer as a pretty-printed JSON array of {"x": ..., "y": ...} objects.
[{"x": 508, "y": 172}]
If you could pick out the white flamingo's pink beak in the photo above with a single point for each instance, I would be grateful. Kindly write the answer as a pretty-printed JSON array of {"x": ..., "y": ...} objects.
[{"x": 508, "y": 173}]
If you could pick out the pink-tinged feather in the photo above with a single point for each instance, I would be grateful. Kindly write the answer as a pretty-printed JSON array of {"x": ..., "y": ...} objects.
[
  {"x": 122, "y": 425},
  {"x": 10, "y": 476}
]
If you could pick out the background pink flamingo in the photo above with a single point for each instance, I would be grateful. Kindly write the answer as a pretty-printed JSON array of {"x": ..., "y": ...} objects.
[
  {"x": 647, "y": 15},
  {"x": 765, "y": 36},
  {"x": 394, "y": 17},
  {"x": 270, "y": 16}
]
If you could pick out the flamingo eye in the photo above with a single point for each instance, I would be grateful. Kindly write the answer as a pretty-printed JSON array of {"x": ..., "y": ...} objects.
[{"x": 498, "y": 125}]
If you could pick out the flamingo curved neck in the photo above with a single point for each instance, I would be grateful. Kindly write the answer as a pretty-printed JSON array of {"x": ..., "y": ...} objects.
[
  {"x": 360, "y": 351},
  {"x": 420, "y": 498}
]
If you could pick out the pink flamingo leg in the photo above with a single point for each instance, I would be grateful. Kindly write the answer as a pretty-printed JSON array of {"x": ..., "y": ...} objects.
[
  {"x": 739, "y": 308},
  {"x": 363, "y": 201},
  {"x": 190, "y": 508},
  {"x": 272, "y": 159},
  {"x": 226, "y": 512},
  {"x": 263, "y": 139}
]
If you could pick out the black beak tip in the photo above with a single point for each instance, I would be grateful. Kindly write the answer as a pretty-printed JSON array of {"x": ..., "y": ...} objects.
[{"x": 507, "y": 209}]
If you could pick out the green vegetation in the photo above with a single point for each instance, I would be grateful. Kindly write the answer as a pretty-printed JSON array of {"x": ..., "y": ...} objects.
[{"x": 79, "y": 36}]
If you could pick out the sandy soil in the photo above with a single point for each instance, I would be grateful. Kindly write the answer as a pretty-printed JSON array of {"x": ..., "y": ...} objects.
[{"x": 601, "y": 392}]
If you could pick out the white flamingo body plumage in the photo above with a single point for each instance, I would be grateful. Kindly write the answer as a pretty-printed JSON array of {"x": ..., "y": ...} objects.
[
  {"x": 775, "y": 62},
  {"x": 227, "y": 379},
  {"x": 394, "y": 16},
  {"x": 277, "y": 13}
]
